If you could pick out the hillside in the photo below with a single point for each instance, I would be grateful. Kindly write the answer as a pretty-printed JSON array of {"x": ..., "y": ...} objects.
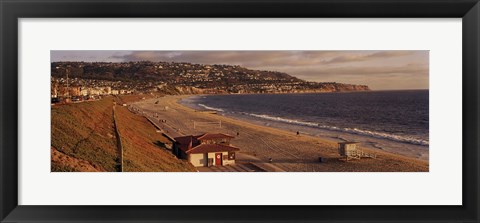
[
  {"x": 170, "y": 77},
  {"x": 143, "y": 148},
  {"x": 84, "y": 132},
  {"x": 165, "y": 71},
  {"x": 83, "y": 139}
]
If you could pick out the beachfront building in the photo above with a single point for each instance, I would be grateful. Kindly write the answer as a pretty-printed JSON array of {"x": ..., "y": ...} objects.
[{"x": 206, "y": 149}]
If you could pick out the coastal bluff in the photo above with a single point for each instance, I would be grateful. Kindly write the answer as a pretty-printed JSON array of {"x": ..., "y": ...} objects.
[
  {"x": 186, "y": 78},
  {"x": 324, "y": 87}
]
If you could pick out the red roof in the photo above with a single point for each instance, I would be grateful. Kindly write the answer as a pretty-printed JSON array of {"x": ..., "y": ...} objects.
[
  {"x": 185, "y": 140},
  {"x": 209, "y": 136},
  {"x": 191, "y": 144},
  {"x": 208, "y": 148}
]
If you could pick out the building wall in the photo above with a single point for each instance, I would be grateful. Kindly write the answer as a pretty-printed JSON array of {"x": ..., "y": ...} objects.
[
  {"x": 197, "y": 159},
  {"x": 212, "y": 156},
  {"x": 228, "y": 162},
  {"x": 225, "y": 161},
  {"x": 202, "y": 159}
]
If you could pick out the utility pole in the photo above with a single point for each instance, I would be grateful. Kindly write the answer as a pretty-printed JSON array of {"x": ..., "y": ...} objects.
[{"x": 68, "y": 89}]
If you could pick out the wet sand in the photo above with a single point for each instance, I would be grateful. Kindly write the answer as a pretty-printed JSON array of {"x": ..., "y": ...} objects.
[{"x": 288, "y": 151}]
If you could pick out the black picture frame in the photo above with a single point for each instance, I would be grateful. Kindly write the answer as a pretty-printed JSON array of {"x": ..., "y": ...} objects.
[{"x": 11, "y": 11}]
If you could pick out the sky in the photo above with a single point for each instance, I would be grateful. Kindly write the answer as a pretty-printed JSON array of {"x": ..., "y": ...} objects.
[{"x": 380, "y": 70}]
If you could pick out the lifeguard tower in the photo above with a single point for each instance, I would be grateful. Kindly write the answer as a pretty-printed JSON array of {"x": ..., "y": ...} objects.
[{"x": 349, "y": 150}]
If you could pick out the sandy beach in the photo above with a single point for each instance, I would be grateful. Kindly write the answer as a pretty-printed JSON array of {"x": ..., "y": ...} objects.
[{"x": 287, "y": 150}]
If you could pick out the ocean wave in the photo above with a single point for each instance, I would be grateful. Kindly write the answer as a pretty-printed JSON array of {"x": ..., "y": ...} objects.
[
  {"x": 210, "y": 108},
  {"x": 405, "y": 139}
]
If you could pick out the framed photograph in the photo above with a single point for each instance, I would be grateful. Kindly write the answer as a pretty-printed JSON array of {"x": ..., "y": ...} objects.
[{"x": 227, "y": 111}]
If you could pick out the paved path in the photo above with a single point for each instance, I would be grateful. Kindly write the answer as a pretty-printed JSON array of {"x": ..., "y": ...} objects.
[{"x": 164, "y": 127}]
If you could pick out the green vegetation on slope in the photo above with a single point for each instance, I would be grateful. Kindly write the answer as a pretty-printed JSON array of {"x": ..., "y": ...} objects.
[
  {"x": 84, "y": 136},
  {"x": 143, "y": 147},
  {"x": 85, "y": 131}
]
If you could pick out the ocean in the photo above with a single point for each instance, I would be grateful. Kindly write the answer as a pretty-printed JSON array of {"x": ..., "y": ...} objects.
[{"x": 395, "y": 121}]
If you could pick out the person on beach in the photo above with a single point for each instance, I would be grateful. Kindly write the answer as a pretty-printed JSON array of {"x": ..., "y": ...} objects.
[{"x": 298, "y": 133}]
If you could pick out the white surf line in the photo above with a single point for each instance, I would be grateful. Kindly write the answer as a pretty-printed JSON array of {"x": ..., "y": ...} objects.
[{"x": 270, "y": 145}]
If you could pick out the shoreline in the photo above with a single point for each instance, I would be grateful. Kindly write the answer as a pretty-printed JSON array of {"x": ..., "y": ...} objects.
[
  {"x": 378, "y": 142},
  {"x": 288, "y": 150}
]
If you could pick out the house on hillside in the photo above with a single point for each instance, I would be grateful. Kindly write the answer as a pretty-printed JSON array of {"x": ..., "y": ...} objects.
[{"x": 206, "y": 149}]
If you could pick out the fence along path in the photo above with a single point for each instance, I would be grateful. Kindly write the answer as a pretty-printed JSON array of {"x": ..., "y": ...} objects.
[{"x": 119, "y": 142}]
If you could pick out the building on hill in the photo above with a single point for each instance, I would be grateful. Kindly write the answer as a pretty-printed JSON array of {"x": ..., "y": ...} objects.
[{"x": 206, "y": 149}]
